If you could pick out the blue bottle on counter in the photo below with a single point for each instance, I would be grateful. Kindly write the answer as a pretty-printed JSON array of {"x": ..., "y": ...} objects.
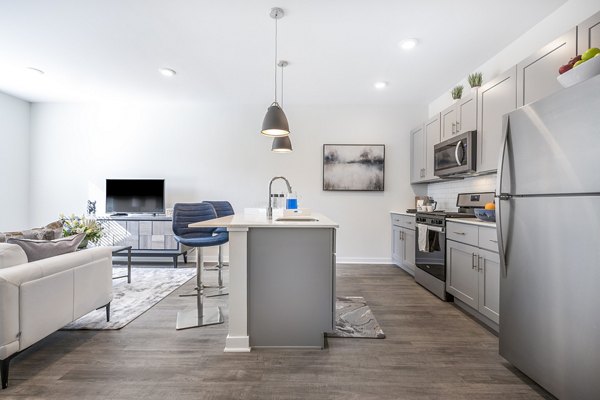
[{"x": 292, "y": 202}]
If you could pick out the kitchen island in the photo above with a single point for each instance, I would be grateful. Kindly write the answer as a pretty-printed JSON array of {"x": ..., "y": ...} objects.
[{"x": 281, "y": 280}]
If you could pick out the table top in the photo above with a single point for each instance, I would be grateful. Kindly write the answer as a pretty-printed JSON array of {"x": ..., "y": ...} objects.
[{"x": 257, "y": 220}]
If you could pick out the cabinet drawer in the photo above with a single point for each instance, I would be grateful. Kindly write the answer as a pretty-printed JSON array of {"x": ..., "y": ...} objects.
[
  {"x": 405, "y": 221},
  {"x": 463, "y": 233},
  {"x": 488, "y": 239}
]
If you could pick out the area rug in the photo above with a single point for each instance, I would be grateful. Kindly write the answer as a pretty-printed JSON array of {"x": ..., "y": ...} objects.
[
  {"x": 130, "y": 300},
  {"x": 354, "y": 319}
]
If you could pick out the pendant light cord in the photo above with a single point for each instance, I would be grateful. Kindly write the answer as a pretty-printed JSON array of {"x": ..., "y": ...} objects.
[
  {"x": 275, "y": 59},
  {"x": 282, "y": 68}
]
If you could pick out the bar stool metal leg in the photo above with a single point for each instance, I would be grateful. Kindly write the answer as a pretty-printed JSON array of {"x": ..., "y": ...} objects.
[
  {"x": 221, "y": 289},
  {"x": 199, "y": 317}
]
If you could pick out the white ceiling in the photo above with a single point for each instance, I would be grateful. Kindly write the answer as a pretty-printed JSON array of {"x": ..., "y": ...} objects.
[{"x": 95, "y": 50}]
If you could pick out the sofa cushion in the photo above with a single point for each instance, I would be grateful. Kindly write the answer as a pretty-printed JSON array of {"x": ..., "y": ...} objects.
[
  {"x": 49, "y": 232},
  {"x": 11, "y": 254},
  {"x": 40, "y": 249}
]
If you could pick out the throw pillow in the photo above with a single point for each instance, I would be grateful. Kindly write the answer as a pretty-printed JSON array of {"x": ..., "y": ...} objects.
[{"x": 40, "y": 249}]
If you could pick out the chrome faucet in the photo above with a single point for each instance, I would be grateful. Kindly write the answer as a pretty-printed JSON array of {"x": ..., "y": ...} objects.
[{"x": 270, "y": 208}]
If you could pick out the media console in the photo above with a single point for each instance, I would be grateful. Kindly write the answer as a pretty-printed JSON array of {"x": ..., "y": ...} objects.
[{"x": 148, "y": 235}]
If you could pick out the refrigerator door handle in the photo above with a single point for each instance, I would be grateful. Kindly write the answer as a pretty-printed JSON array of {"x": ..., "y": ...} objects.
[
  {"x": 502, "y": 196},
  {"x": 458, "y": 147}
]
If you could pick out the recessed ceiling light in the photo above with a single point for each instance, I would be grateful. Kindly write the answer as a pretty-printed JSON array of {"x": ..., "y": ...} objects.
[
  {"x": 380, "y": 85},
  {"x": 408, "y": 44},
  {"x": 34, "y": 71},
  {"x": 167, "y": 71}
]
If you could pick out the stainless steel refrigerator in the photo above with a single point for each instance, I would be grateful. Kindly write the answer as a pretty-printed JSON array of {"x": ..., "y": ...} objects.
[{"x": 548, "y": 223}]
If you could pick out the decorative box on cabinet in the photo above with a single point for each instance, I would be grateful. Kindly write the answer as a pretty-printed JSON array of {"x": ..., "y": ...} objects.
[
  {"x": 473, "y": 273},
  {"x": 588, "y": 33},
  {"x": 495, "y": 98},
  {"x": 148, "y": 236},
  {"x": 536, "y": 75}
]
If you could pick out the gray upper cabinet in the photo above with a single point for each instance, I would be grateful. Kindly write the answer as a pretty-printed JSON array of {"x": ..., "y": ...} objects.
[
  {"x": 496, "y": 98},
  {"x": 448, "y": 122},
  {"x": 536, "y": 75},
  {"x": 417, "y": 160},
  {"x": 588, "y": 33},
  {"x": 432, "y": 137},
  {"x": 460, "y": 117}
]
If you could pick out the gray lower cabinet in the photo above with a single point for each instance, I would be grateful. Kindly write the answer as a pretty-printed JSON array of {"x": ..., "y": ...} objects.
[
  {"x": 473, "y": 274},
  {"x": 588, "y": 33},
  {"x": 536, "y": 75},
  {"x": 403, "y": 242},
  {"x": 291, "y": 286},
  {"x": 496, "y": 98}
]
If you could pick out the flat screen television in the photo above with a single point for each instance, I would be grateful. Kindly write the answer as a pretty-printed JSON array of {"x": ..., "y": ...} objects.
[{"x": 142, "y": 196}]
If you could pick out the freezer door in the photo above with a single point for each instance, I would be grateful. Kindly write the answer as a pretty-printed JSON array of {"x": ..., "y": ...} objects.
[
  {"x": 549, "y": 294},
  {"x": 553, "y": 145}
]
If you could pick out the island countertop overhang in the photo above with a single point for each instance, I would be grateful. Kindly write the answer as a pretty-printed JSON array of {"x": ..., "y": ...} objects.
[{"x": 261, "y": 221}]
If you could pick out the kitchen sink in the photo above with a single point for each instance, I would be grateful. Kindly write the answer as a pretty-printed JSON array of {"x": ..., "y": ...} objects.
[{"x": 297, "y": 218}]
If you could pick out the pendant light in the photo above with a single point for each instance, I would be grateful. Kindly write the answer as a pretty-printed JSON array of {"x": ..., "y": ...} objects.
[
  {"x": 275, "y": 123},
  {"x": 282, "y": 144}
]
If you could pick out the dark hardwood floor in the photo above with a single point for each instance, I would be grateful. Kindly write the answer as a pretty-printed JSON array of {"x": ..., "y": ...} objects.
[{"x": 432, "y": 351}]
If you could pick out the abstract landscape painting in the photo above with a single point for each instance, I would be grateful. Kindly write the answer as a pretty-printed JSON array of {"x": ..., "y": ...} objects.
[{"x": 353, "y": 167}]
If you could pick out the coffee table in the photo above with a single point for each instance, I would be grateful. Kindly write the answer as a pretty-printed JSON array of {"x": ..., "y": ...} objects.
[{"x": 119, "y": 249}]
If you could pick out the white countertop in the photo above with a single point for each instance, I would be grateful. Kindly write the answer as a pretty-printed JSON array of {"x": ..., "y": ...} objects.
[
  {"x": 403, "y": 213},
  {"x": 472, "y": 221},
  {"x": 256, "y": 219}
]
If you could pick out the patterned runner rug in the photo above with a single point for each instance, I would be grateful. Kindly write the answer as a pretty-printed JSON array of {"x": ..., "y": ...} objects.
[
  {"x": 130, "y": 300},
  {"x": 354, "y": 319}
]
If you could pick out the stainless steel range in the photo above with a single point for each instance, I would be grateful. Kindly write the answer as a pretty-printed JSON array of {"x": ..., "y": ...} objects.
[{"x": 430, "y": 243}]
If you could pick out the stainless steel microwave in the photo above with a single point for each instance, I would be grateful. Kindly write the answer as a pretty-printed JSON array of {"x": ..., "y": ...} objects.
[{"x": 456, "y": 156}]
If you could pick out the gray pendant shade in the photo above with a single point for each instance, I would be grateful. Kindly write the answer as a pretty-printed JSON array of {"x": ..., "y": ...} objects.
[
  {"x": 275, "y": 123},
  {"x": 282, "y": 144}
]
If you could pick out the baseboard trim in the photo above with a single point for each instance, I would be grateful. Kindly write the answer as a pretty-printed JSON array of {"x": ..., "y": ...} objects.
[{"x": 364, "y": 260}]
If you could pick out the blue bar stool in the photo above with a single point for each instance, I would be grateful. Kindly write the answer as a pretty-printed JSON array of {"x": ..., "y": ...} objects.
[
  {"x": 183, "y": 215},
  {"x": 223, "y": 209}
]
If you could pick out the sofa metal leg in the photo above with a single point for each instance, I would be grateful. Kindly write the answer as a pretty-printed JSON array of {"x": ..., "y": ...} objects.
[
  {"x": 4, "y": 367},
  {"x": 108, "y": 312}
]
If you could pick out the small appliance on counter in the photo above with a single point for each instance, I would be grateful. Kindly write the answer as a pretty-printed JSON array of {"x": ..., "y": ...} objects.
[{"x": 430, "y": 243}]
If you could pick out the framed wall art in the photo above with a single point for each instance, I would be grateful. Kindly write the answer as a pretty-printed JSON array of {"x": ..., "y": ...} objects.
[{"x": 353, "y": 167}]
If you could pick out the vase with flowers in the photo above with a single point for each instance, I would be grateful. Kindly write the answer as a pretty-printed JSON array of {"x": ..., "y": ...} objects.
[{"x": 74, "y": 224}]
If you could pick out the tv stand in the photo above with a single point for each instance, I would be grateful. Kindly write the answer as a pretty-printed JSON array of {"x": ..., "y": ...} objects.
[{"x": 148, "y": 235}]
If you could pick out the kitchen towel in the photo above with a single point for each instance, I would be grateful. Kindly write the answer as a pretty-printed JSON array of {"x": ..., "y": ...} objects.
[{"x": 423, "y": 238}]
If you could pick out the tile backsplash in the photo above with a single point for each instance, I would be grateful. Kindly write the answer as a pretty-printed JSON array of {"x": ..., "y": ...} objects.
[{"x": 445, "y": 192}]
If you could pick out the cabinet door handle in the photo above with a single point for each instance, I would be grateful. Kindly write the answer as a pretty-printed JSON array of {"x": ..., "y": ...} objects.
[
  {"x": 409, "y": 223},
  {"x": 481, "y": 263},
  {"x": 453, "y": 127},
  {"x": 460, "y": 233},
  {"x": 457, "y": 126},
  {"x": 493, "y": 241},
  {"x": 473, "y": 255}
]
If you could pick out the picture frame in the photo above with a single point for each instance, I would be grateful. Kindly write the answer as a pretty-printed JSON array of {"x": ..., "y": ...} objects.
[{"x": 354, "y": 167}]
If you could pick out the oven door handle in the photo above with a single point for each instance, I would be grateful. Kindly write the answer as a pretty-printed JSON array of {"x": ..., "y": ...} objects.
[{"x": 433, "y": 228}]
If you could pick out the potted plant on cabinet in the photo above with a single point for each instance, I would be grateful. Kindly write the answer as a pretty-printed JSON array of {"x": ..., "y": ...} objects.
[
  {"x": 457, "y": 92},
  {"x": 475, "y": 79}
]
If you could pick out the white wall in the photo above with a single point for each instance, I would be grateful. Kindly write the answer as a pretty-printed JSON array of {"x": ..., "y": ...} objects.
[
  {"x": 560, "y": 21},
  {"x": 216, "y": 152},
  {"x": 14, "y": 163}
]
